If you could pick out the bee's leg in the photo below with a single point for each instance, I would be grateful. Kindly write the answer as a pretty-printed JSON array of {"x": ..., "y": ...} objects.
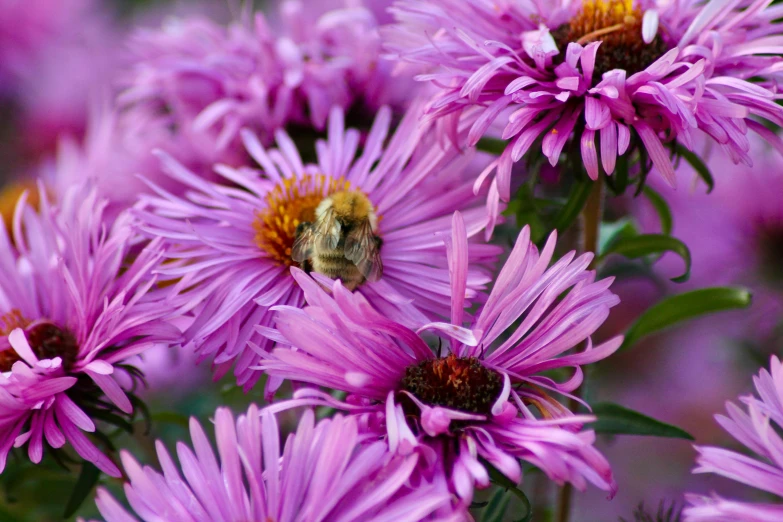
[
  {"x": 378, "y": 242},
  {"x": 307, "y": 266}
]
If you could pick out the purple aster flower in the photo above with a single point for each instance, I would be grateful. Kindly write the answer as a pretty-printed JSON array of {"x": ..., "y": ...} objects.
[
  {"x": 73, "y": 308},
  {"x": 232, "y": 245},
  {"x": 614, "y": 76},
  {"x": 479, "y": 399},
  {"x": 210, "y": 81},
  {"x": 327, "y": 471},
  {"x": 758, "y": 429}
]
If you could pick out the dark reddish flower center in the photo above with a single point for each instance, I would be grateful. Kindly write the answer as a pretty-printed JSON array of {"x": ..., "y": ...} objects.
[
  {"x": 457, "y": 383},
  {"x": 47, "y": 341},
  {"x": 618, "y": 25}
]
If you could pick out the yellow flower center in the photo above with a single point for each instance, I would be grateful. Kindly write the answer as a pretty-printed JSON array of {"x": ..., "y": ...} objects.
[
  {"x": 617, "y": 24},
  {"x": 613, "y": 21},
  {"x": 291, "y": 202}
]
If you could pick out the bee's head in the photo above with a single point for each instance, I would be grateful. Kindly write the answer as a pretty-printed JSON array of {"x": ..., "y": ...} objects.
[{"x": 350, "y": 207}]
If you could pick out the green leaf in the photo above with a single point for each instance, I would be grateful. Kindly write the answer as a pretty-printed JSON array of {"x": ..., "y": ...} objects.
[
  {"x": 577, "y": 198},
  {"x": 661, "y": 208},
  {"x": 614, "y": 231},
  {"x": 503, "y": 481},
  {"x": 618, "y": 420},
  {"x": 697, "y": 164},
  {"x": 496, "y": 508},
  {"x": 492, "y": 145},
  {"x": 682, "y": 307},
  {"x": 648, "y": 244},
  {"x": 626, "y": 270},
  {"x": 84, "y": 486}
]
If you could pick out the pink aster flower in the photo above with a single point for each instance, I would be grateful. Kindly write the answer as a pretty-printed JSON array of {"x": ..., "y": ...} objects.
[
  {"x": 73, "y": 308},
  {"x": 210, "y": 81},
  {"x": 479, "y": 399},
  {"x": 758, "y": 430},
  {"x": 614, "y": 77},
  {"x": 325, "y": 472},
  {"x": 232, "y": 245}
]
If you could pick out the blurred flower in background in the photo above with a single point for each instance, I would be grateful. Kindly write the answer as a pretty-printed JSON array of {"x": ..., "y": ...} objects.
[
  {"x": 54, "y": 56},
  {"x": 207, "y": 81}
]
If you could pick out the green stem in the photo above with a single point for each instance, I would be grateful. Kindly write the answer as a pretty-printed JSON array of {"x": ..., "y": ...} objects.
[
  {"x": 591, "y": 222},
  {"x": 591, "y": 219}
]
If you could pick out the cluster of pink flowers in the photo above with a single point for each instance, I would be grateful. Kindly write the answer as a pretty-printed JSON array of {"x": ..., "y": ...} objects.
[
  {"x": 633, "y": 74},
  {"x": 278, "y": 197}
]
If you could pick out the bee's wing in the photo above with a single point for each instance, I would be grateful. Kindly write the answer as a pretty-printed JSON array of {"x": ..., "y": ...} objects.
[
  {"x": 361, "y": 248},
  {"x": 304, "y": 244},
  {"x": 327, "y": 231}
]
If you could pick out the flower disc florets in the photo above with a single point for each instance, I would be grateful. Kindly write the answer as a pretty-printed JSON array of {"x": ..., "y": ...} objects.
[
  {"x": 291, "y": 202},
  {"x": 46, "y": 339},
  {"x": 617, "y": 24},
  {"x": 458, "y": 383}
]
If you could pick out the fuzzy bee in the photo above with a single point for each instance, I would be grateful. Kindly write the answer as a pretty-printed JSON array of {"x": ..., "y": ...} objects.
[{"x": 341, "y": 242}]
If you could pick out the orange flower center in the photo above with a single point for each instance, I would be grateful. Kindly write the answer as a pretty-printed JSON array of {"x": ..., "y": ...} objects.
[{"x": 291, "y": 202}]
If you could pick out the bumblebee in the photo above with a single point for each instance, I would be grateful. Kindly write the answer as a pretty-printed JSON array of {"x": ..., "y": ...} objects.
[{"x": 341, "y": 242}]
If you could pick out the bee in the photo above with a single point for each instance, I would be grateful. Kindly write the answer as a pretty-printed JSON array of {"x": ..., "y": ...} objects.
[{"x": 341, "y": 242}]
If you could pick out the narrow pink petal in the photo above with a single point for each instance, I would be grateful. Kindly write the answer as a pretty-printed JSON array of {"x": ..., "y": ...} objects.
[
  {"x": 113, "y": 391},
  {"x": 463, "y": 335},
  {"x": 48, "y": 388},
  {"x": 609, "y": 147},
  {"x": 657, "y": 152},
  {"x": 589, "y": 154},
  {"x": 623, "y": 138},
  {"x": 100, "y": 367},
  {"x": 18, "y": 341},
  {"x": 110, "y": 509},
  {"x": 54, "y": 436},
  {"x": 68, "y": 409},
  {"x": 457, "y": 252},
  {"x": 86, "y": 449},
  {"x": 649, "y": 25}
]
